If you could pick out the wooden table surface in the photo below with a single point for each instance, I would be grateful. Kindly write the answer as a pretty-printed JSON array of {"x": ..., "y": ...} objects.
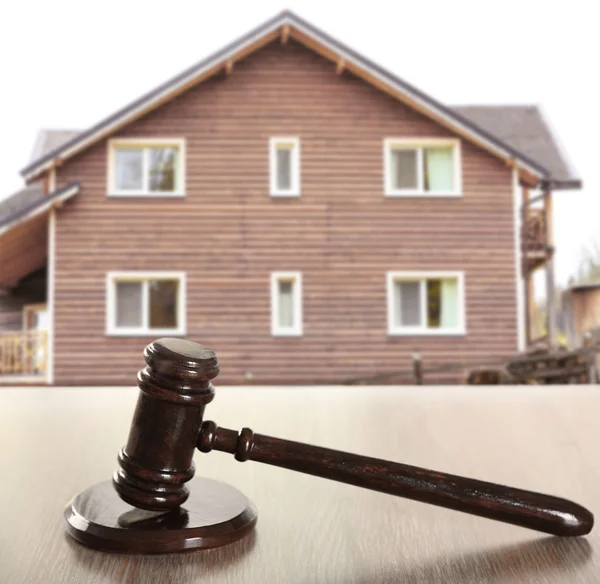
[{"x": 56, "y": 442}]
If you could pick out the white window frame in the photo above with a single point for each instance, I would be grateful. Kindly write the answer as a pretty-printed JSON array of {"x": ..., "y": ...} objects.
[
  {"x": 135, "y": 143},
  {"x": 390, "y": 144},
  {"x": 274, "y": 143},
  {"x": 421, "y": 276},
  {"x": 296, "y": 279},
  {"x": 144, "y": 276}
]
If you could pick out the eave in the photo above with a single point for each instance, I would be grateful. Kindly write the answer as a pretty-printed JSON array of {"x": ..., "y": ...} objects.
[
  {"x": 562, "y": 185},
  {"x": 39, "y": 207}
]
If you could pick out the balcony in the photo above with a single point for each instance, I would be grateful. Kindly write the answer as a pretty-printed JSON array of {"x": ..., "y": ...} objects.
[
  {"x": 23, "y": 356},
  {"x": 535, "y": 233},
  {"x": 534, "y": 240}
]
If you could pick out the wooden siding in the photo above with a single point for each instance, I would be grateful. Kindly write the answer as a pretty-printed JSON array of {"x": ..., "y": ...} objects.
[{"x": 228, "y": 234}]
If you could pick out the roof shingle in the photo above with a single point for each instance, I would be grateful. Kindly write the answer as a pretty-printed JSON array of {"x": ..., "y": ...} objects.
[
  {"x": 20, "y": 200},
  {"x": 526, "y": 130}
]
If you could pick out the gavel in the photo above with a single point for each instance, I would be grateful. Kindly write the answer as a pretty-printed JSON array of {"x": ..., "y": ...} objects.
[{"x": 148, "y": 507}]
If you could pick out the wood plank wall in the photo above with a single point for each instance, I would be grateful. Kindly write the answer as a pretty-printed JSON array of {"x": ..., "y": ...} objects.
[{"x": 228, "y": 234}]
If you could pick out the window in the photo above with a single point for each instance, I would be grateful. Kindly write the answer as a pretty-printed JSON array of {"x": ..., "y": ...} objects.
[
  {"x": 284, "y": 158},
  {"x": 141, "y": 303},
  {"x": 286, "y": 304},
  {"x": 426, "y": 303},
  {"x": 146, "y": 167},
  {"x": 427, "y": 168}
]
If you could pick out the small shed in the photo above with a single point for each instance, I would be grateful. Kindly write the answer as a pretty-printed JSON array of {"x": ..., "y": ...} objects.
[{"x": 580, "y": 312}]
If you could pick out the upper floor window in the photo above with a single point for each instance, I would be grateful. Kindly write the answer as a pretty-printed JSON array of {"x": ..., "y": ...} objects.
[
  {"x": 146, "y": 167},
  {"x": 284, "y": 165},
  {"x": 426, "y": 303},
  {"x": 144, "y": 303},
  {"x": 428, "y": 167},
  {"x": 286, "y": 304}
]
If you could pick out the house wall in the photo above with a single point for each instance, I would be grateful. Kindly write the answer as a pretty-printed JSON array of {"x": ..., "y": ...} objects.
[{"x": 228, "y": 234}]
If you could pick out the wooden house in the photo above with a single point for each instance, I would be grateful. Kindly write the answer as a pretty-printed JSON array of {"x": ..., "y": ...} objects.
[
  {"x": 579, "y": 313},
  {"x": 289, "y": 203}
]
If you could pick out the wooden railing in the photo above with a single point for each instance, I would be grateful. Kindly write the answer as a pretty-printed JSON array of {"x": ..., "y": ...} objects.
[
  {"x": 535, "y": 236},
  {"x": 23, "y": 353}
]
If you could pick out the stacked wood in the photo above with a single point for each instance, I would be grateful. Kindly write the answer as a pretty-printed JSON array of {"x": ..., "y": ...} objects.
[
  {"x": 541, "y": 366},
  {"x": 545, "y": 367}
]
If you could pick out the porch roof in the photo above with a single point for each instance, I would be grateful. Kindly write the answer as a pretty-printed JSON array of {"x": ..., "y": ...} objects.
[{"x": 24, "y": 231}]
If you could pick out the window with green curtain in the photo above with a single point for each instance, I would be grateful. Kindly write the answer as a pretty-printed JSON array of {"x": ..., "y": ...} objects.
[
  {"x": 449, "y": 304},
  {"x": 438, "y": 172},
  {"x": 438, "y": 298},
  {"x": 434, "y": 303}
]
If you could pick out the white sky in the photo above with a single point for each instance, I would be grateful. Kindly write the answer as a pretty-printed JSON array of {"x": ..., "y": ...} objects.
[{"x": 68, "y": 64}]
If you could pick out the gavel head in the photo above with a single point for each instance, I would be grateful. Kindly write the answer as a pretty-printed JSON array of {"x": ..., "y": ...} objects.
[{"x": 157, "y": 460}]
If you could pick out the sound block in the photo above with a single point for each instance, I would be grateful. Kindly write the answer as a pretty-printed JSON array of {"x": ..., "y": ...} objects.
[{"x": 214, "y": 515}]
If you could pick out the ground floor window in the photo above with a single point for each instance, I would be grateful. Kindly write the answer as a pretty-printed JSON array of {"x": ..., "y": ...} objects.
[
  {"x": 140, "y": 303},
  {"x": 425, "y": 303},
  {"x": 286, "y": 304}
]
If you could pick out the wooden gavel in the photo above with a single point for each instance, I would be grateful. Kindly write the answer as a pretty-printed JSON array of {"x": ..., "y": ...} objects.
[{"x": 168, "y": 426}]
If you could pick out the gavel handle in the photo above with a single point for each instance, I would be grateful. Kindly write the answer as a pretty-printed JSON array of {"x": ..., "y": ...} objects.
[{"x": 523, "y": 508}]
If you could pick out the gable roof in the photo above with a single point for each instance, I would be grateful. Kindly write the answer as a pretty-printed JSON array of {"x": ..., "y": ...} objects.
[
  {"x": 288, "y": 24},
  {"x": 526, "y": 128}
]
